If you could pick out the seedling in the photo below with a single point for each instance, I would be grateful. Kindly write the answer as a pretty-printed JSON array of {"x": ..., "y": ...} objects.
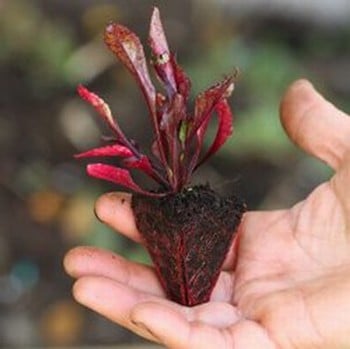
[{"x": 187, "y": 230}]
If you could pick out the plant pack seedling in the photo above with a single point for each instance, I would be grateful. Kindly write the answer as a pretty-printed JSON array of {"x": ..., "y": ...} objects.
[{"x": 187, "y": 230}]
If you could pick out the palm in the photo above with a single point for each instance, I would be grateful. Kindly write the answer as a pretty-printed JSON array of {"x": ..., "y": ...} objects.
[
  {"x": 306, "y": 231},
  {"x": 287, "y": 259},
  {"x": 291, "y": 264}
]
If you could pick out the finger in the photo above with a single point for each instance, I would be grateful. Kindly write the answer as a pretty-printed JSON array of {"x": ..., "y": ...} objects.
[
  {"x": 231, "y": 257},
  {"x": 315, "y": 124},
  {"x": 116, "y": 302},
  {"x": 190, "y": 329},
  {"x": 223, "y": 290},
  {"x": 115, "y": 210},
  {"x": 111, "y": 300},
  {"x": 216, "y": 314},
  {"x": 213, "y": 325},
  {"x": 91, "y": 261}
]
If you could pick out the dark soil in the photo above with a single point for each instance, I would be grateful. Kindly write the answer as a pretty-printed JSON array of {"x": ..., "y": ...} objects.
[{"x": 188, "y": 235}]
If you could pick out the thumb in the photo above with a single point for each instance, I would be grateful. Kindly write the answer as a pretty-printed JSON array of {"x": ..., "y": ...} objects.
[{"x": 315, "y": 124}]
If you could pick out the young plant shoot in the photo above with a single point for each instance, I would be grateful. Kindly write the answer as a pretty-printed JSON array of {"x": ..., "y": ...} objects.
[{"x": 187, "y": 230}]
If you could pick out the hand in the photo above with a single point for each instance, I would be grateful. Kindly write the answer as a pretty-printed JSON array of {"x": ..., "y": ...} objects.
[{"x": 291, "y": 284}]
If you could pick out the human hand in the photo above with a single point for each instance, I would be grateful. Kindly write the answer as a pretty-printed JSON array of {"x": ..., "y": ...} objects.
[{"x": 291, "y": 283}]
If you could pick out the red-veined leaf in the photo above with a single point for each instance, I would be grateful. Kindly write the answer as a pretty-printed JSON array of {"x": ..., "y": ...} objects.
[
  {"x": 183, "y": 83},
  {"x": 224, "y": 131},
  {"x": 171, "y": 114},
  {"x": 127, "y": 47},
  {"x": 142, "y": 163},
  {"x": 115, "y": 175},
  {"x": 155, "y": 149},
  {"x": 100, "y": 105},
  {"x": 170, "y": 125},
  {"x": 109, "y": 150},
  {"x": 204, "y": 107},
  {"x": 131, "y": 161},
  {"x": 162, "y": 62},
  {"x": 207, "y": 100},
  {"x": 103, "y": 109}
]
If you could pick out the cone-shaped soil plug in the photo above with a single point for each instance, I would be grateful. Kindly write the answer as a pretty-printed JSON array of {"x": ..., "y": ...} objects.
[{"x": 188, "y": 235}]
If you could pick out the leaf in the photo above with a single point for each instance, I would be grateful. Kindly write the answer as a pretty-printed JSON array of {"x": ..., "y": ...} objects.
[
  {"x": 171, "y": 125},
  {"x": 100, "y": 105},
  {"x": 127, "y": 47},
  {"x": 162, "y": 61},
  {"x": 103, "y": 109},
  {"x": 204, "y": 106},
  {"x": 183, "y": 82},
  {"x": 224, "y": 131},
  {"x": 183, "y": 132},
  {"x": 142, "y": 164},
  {"x": 206, "y": 101},
  {"x": 115, "y": 175},
  {"x": 109, "y": 150}
]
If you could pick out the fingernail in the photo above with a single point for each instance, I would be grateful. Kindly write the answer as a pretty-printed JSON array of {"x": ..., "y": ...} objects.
[{"x": 96, "y": 215}]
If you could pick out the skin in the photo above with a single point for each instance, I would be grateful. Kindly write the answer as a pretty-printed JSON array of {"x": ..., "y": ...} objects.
[{"x": 291, "y": 284}]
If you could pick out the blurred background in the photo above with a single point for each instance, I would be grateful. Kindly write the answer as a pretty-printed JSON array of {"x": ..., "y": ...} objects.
[{"x": 46, "y": 200}]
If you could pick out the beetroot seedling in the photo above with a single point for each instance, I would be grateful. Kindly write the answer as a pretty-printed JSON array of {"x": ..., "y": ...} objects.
[{"x": 187, "y": 230}]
